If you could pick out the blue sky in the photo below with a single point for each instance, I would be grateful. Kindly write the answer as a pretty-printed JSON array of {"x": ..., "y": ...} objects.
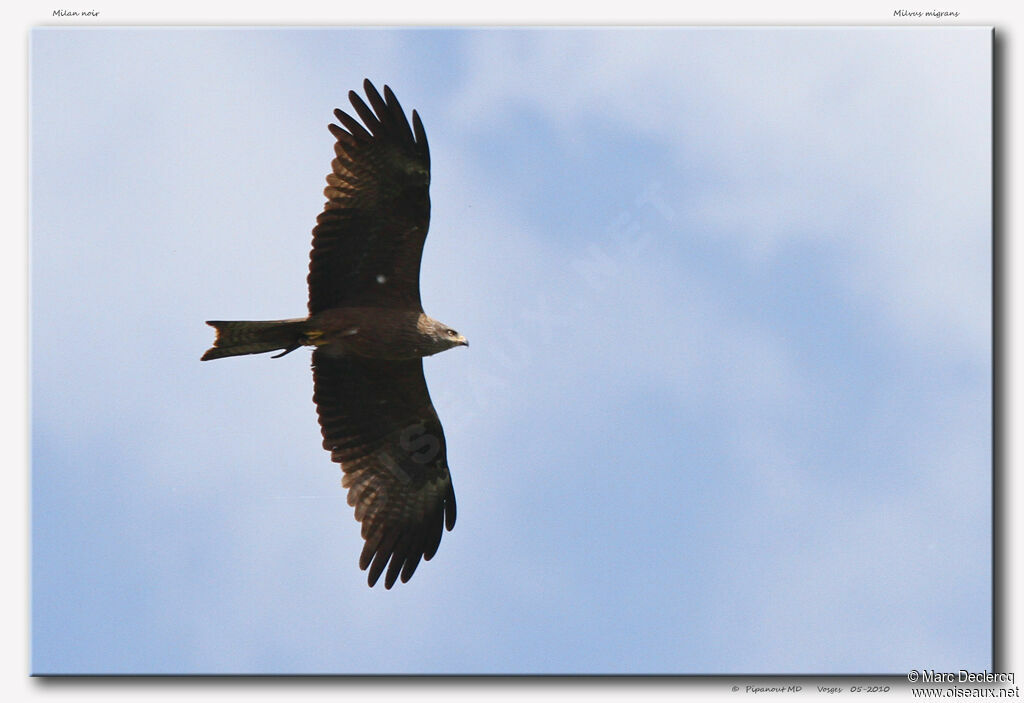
[{"x": 727, "y": 407}]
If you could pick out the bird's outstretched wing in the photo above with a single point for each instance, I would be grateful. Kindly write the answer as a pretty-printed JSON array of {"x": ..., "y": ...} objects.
[
  {"x": 379, "y": 424},
  {"x": 368, "y": 241}
]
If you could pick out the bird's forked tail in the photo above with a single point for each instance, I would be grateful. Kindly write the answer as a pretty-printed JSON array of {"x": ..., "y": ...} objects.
[{"x": 237, "y": 338}]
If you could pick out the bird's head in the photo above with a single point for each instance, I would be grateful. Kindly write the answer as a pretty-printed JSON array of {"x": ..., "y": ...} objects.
[
  {"x": 444, "y": 337},
  {"x": 454, "y": 339}
]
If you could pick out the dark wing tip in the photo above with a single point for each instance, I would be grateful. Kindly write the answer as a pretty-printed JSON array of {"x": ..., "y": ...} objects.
[
  {"x": 369, "y": 549},
  {"x": 380, "y": 560},
  {"x": 394, "y": 109},
  {"x": 449, "y": 508},
  {"x": 411, "y": 563},
  {"x": 374, "y": 97},
  {"x": 417, "y": 127},
  {"x": 352, "y": 125},
  {"x": 395, "y": 553},
  {"x": 421, "y": 137},
  {"x": 371, "y": 579},
  {"x": 382, "y": 116},
  {"x": 365, "y": 113}
]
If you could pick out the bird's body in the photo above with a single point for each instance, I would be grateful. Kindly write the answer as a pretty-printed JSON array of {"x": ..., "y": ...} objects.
[
  {"x": 369, "y": 334},
  {"x": 372, "y": 333},
  {"x": 378, "y": 333}
]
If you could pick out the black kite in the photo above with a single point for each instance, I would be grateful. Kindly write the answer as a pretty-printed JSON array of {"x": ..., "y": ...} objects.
[{"x": 369, "y": 334}]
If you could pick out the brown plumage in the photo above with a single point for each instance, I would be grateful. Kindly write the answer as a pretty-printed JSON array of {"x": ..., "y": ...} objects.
[{"x": 370, "y": 334}]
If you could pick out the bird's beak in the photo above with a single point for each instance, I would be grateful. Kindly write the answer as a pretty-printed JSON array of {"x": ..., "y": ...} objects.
[{"x": 462, "y": 341}]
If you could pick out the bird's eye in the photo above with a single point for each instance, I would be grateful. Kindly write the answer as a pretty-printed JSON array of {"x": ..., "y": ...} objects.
[{"x": 451, "y": 333}]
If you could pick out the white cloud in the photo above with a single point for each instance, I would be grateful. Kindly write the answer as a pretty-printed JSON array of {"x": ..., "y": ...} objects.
[{"x": 871, "y": 143}]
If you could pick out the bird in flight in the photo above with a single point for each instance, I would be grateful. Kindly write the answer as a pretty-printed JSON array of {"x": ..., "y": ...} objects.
[{"x": 369, "y": 335}]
